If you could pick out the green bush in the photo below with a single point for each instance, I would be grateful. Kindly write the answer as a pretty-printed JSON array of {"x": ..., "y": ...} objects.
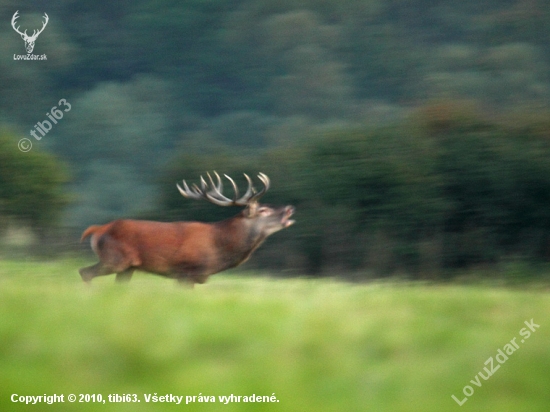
[{"x": 30, "y": 184}]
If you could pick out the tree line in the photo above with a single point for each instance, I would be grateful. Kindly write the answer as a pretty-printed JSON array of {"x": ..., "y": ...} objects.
[
  {"x": 447, "y": 188},
  {"x": 410, "y": 134}
]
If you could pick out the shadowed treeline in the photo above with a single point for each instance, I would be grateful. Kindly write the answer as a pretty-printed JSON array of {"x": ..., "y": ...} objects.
[
  {"x": 412, "y": 136},
  {"x": 444, "y": 189}
]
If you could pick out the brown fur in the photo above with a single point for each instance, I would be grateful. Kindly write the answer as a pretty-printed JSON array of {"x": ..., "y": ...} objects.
[{"x": 187, "y": 251}]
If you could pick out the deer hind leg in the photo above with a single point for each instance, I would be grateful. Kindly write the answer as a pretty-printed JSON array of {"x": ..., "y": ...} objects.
[
  {"x": 90, "y": 272},
  {"x": 124, "y": 276},
  {"x": 114, "y": 258}
]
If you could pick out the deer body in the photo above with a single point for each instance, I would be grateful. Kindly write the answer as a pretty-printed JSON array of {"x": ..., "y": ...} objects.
[{"x": 186, "y": 251}]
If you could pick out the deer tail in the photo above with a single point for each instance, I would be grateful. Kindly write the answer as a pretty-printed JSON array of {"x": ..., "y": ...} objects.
[{"x": 89, "y": 231}]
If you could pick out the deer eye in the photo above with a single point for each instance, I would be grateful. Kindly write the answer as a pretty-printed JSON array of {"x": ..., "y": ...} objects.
[{"x": 264, "y": 211}]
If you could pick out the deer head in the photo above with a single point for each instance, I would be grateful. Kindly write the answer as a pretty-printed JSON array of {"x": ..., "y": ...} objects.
[
  {"x": 262, "y": 218},
  {"x": 29, "y": 40}
]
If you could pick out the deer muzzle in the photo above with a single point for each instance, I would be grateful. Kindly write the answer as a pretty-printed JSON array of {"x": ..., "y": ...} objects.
[{"x": 288, "y": 212}]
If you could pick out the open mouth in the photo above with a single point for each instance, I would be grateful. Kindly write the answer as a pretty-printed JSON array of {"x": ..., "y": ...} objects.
[{"x": 286, "y": 221}]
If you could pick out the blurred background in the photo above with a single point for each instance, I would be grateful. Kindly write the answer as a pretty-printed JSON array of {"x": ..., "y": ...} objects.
[{"x": 412, "y": 136}]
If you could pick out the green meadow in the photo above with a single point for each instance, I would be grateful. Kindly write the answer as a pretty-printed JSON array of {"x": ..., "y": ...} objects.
[{"x": 308, "y": 344}]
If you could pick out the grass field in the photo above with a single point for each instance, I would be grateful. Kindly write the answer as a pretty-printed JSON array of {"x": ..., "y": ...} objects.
[{"x": 317, "y": 345}]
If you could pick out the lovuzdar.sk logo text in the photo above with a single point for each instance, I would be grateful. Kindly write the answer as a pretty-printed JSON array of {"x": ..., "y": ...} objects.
[{"x": 29, "y": 40}]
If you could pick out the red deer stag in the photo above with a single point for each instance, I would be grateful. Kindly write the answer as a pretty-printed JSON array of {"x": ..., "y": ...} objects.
[{"x": 187, "y": 251}]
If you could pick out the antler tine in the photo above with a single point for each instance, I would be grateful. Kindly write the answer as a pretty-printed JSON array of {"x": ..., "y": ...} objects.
[
  {"x": 46, "y": 20},
  {"x": 195, "y": 189},
  {"x": 219, "y": 188},
  {"x": 13, "y": 22},
  {"x": 216, "y": 192},
  {"x": 183, "y": 193},
  {"x": 244, "y": 200},
  {"x": 186, "y": 192},
  {"x": 216, "y": 188},
  {"x": 185, "y": 186},
  {"x": 265, "y": 180},
  {"x": 235, "y": 189},
  {"x": 204, "y": 186},
  {"x": 267, "y": 183}
]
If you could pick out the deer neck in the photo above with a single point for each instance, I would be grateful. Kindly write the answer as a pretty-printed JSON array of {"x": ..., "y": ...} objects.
[{"x": 236, "y": 239}]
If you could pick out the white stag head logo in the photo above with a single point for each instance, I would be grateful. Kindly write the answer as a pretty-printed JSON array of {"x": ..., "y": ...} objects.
[{"x": 29, "y": 40}]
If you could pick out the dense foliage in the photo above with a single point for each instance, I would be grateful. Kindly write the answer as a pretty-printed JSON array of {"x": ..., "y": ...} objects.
[
  {"x": 31, "y": 185},
  {"x": 411, "y": 134},
  {"x": 444, "y": 189}
]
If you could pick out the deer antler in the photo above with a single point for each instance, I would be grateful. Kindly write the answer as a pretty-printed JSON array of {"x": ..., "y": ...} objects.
[
  {"x": 35, "y": 33},
  {"x": 213, "y": 193},
  {"x": 15, "y": 17}
]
